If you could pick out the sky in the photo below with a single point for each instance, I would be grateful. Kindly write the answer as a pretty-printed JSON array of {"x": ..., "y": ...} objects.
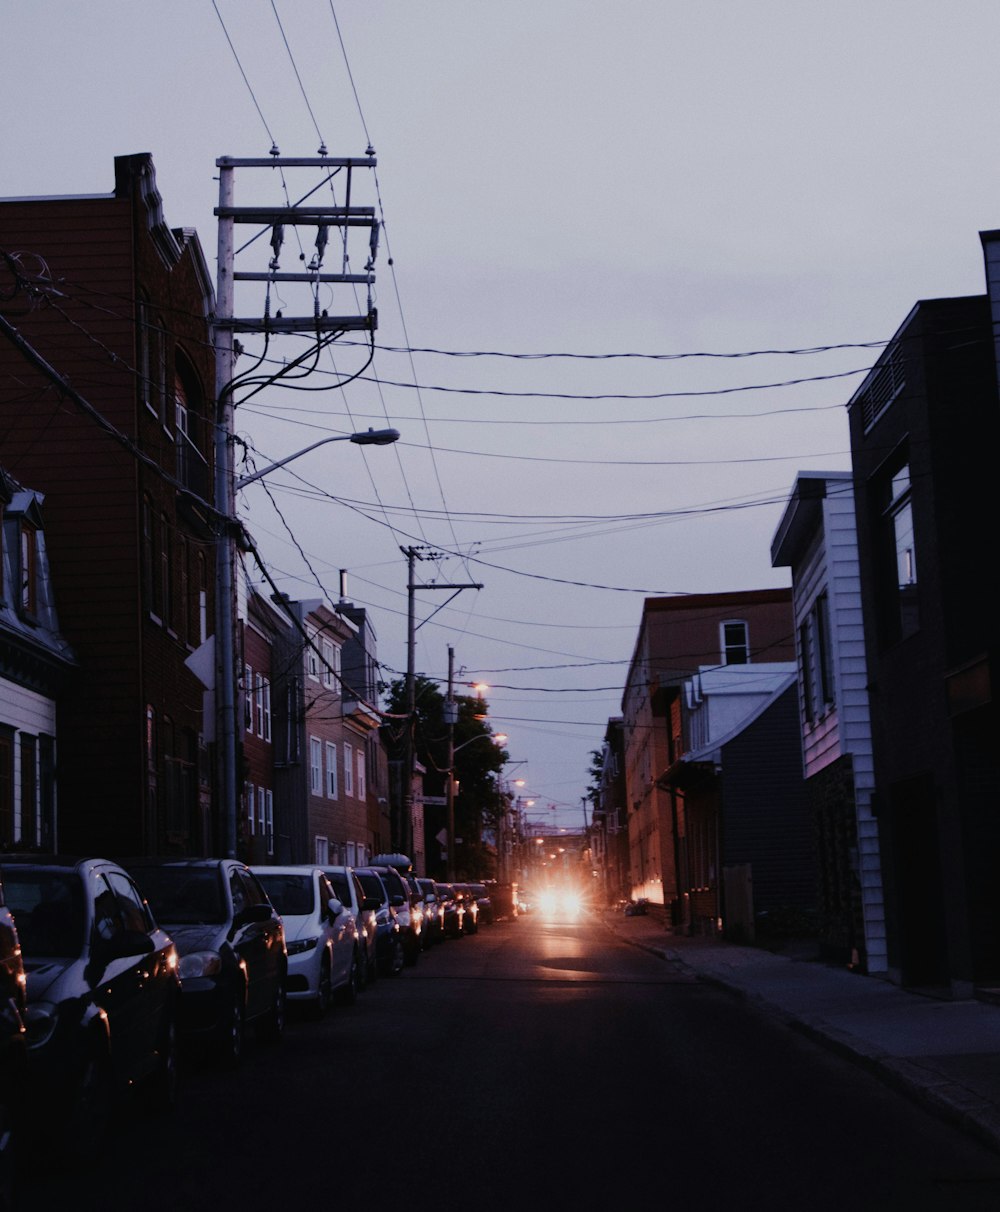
[{"x": 555, "y": 177}]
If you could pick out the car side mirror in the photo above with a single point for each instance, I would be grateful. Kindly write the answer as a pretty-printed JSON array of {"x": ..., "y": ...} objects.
[
  {"x": 371, "y": 905},
  {"x": 124, "y": 944},
  {"x": 335, "y": 908},
  {"x": 252, "y": 913},
  {"x": 397, "y": 900}
]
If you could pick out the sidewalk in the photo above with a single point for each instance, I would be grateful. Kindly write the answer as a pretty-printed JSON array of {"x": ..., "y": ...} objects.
[{"x": 944, "y": 1054}]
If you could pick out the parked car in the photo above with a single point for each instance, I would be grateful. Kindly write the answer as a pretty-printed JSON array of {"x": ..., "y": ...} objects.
[
  {"x": 407, "y": 909},
  {"x": 433, "y": 931},
  {"x": 347, "y": 888},
  {"x": 389, "y": 948},
  {"x": 102, "y": 996},
  {"x": 452, "y": 911},
  {"x": 13, "y": 1052},
  {"x": 321, "y": 936},
  {"x": 484, "y": 901},
  {"x": 231, "y": 943},
  {"x": 467, "y": 899}
]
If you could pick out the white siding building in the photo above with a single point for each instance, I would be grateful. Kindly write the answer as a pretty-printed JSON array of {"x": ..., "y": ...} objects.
[{"x": 817, "y": 540}]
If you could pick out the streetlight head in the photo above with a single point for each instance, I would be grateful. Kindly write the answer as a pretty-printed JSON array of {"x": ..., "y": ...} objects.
[
  {"x": 375, "y": 437},
  {"x": 500, "y": 737}
]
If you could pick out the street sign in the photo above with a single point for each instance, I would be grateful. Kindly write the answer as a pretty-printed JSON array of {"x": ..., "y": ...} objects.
[{"x": 440, "y": 800}]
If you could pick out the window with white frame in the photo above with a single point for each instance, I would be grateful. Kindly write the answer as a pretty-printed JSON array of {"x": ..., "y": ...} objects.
[
  {"x": 258, "y": 694},
  {"x": 322, "y": 848},
  {"x": 735, "y": 635},
  {"x": 312, "y": 657},
  {"x": 266, "y": 709},
  {"x": 331, "y": 770},
  {"x": 329, "y": 665},
  {"x": 361, "y": 780},
  {"x": 315, "y": 765},
  {"x": 247, "y": 699},
  {"x": 348, "y": 769},
  {"x": 250, "y": 801},
  {"x": 269, "y": 819}
]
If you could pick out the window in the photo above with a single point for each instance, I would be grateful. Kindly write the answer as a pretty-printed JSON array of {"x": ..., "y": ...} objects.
[
  {"x": 821, "y": 613},
  {"x": 166, "y": 611},
  {"x": 331, "y": 770},
  {"x": 808, "y": 682},
  {"x": 29, "y": 790},
  {"x": 735, "y": 642},
  {"x": 202, "y": 574},
  {"x": 322, "y": 845},
  {"x": 182, "y": 440},
  {"x": 29, "y": 568},
  {"x": 6, "y": 786},
  {"x": 329, "y": 664},
  {"x": 893, "y": 522},
  {"x": 258, "y": 694},
  {"x": 312, "y": 657},
  {"x": 315, "y": 765},
  {"x": 361, "y": 783},
  {"x": 247, "y": 699},
  {"x": 250, "y": 801},
  {"x": 348, "y": 769},
  {"x": 265, "y": 709}
]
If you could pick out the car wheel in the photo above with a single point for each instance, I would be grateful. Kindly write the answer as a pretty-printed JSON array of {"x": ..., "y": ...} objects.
[
  {"x": 161, "y": 1089},
  {"x": 349, "y": 993},
  {"x": 231, "y": 1036},
  {"x": 89, "y": 1112},
  {"x": 272, "y": 1026},
  {"x": 398, "y": 957},
  {"x": 324, "y": 994},
  {"x": 364, "y": 976}
]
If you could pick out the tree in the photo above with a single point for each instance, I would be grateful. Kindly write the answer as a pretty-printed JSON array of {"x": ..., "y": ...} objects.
[
  {"x": 596, "y": 773},
  {"x": 478, "y": 763}
]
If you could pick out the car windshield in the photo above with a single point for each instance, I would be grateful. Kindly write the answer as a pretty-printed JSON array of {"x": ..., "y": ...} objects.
[
  {"x": 183, "y": 896},
  {"x": 48, "y": 909},
  {"x": 291, "y": 895}
]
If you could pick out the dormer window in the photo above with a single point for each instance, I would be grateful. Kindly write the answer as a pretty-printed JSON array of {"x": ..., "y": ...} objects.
[{"x": 29, "y": 569}]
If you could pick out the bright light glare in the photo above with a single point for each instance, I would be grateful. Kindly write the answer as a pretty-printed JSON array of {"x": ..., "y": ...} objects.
[{"x": 560, "y": 902}]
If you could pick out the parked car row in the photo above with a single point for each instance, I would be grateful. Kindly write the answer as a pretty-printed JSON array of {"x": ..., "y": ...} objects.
[{"x": 108, "y": 969}]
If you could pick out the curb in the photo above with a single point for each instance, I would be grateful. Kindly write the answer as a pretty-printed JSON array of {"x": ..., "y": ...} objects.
[{"x": 924, "y": 1086}]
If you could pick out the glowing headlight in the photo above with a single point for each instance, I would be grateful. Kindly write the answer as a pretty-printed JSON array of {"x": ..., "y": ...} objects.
[
  {"x": 547, "y": 902},
  {"x": 302, "y": 944},
  {"x": 41, "y": 1021},
  {"x": 571, "y": 903},
  {"x": 199, "y": 963}
]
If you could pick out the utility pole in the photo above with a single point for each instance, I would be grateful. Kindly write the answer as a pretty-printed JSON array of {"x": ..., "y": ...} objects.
[
  {"x": 403, "y": 826},
  {"x": 325, "y": 218},
  {"x": 450, "y": 717}
]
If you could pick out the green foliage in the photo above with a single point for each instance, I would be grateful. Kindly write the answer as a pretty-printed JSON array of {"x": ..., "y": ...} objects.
[{"x": 478, "y": 763}]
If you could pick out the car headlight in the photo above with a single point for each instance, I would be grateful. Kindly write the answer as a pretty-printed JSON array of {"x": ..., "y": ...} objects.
[
  {"x": 41, "y": 1020},
  {"x": 199, "y": 963},
  {"x": 302, "y": 944}
]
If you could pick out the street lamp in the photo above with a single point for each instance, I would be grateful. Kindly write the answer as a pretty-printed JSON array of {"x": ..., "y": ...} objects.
[
  {"x": 366, "y": 437},
  {"x": 226, "y": 486}
]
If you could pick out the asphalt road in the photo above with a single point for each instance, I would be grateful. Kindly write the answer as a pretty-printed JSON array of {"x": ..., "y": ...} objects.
[{"x": 536, "y": 1065}]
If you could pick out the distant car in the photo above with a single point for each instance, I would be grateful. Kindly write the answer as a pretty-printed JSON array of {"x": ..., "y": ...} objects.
[
  {"x": 407, "y": 909},
  {"x": 13, "y": 1052},
  {"x": 231, "y": 943},
  {"x": 452, "y": 911},
  {"x": 102, "y": 996},
  {"x": 321, "y": 936},
  {"x": 484, "y": 901},
  {"x": 347, "y": 887},
  {"x": 433, "y": 912},
  {"x": 467, "y": 899},
  {"x": 389, "y": 948}
]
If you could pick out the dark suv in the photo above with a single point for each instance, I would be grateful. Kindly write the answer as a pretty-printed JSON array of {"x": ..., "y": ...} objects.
[
  {"x": 231, "y": 941},
  {"x": 103, "y": 994}
]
